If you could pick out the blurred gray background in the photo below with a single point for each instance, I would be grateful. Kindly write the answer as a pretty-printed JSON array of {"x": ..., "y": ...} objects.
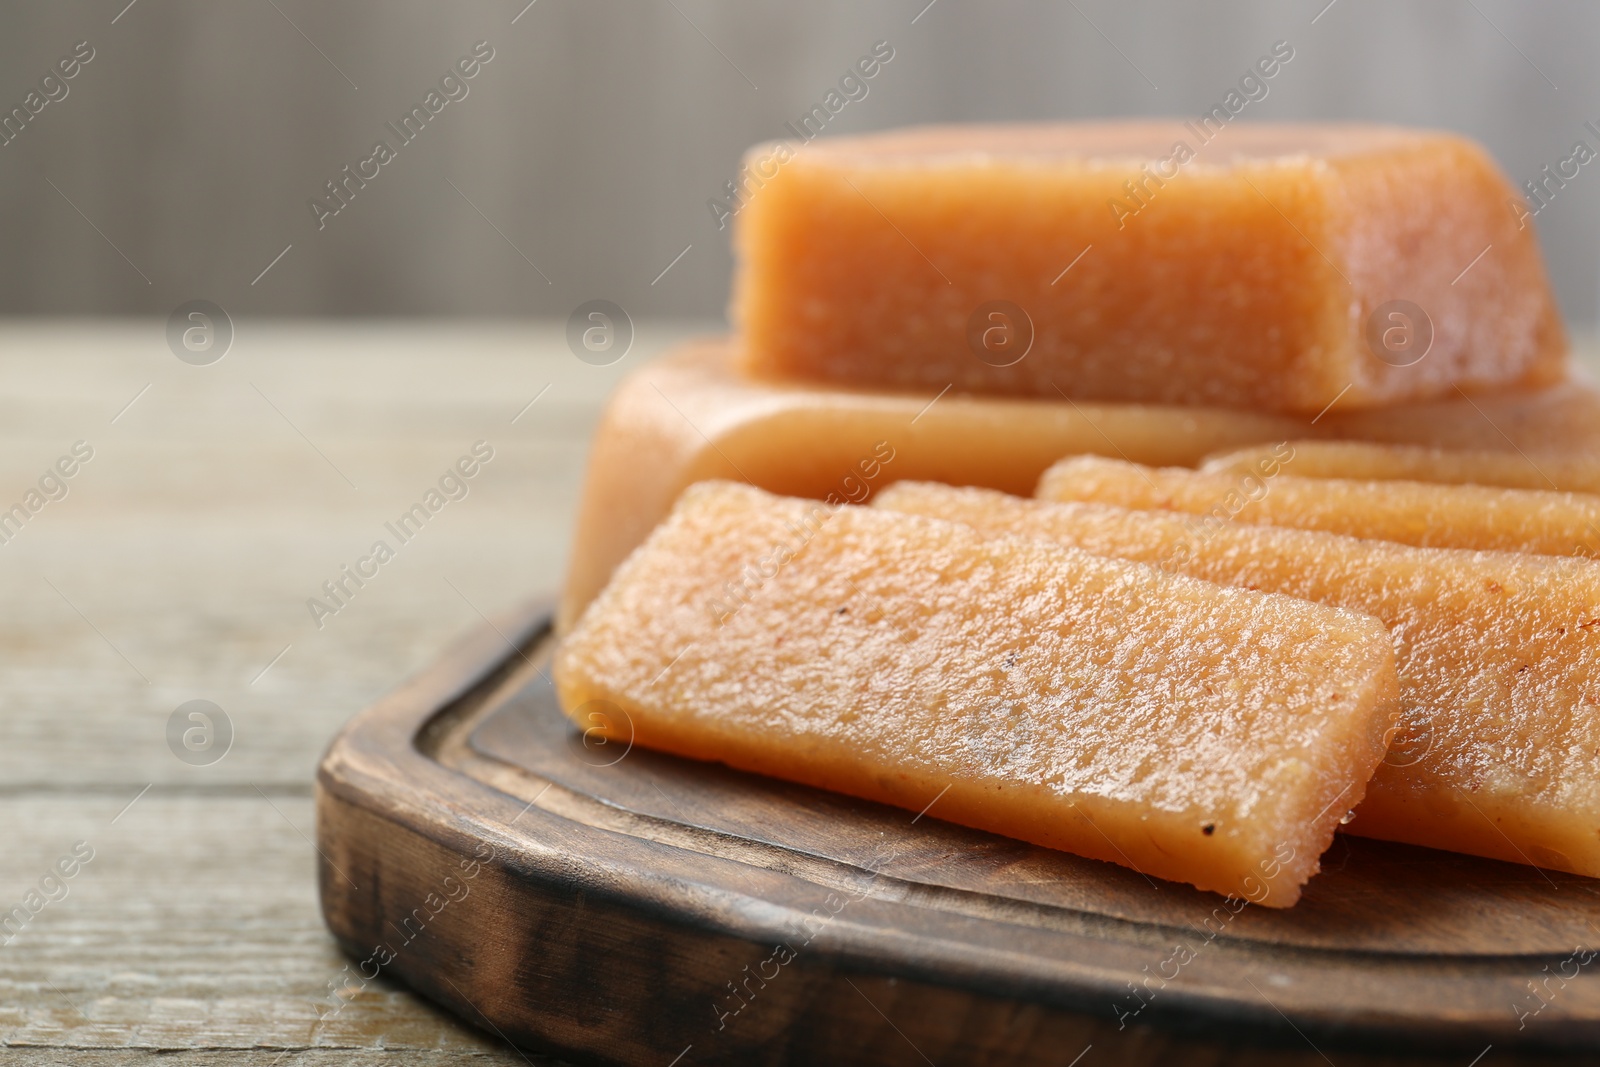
[{"x": 182, "y": 159}]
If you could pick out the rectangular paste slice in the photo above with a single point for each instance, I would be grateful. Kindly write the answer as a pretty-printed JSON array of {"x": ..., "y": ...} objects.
[
  {"x": 1412, "y": 513},
  {"x": 1204, "y": 734},
  {"x": 1265, "y": 266},
  {"x": 1564, "y": 417},
  {"x": 1367, "y": 461},
  {"x": 1498, "y": 654},
  {"x": 691, "y": 416}
]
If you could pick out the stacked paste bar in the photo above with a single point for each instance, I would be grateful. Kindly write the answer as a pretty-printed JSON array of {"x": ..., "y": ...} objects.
[
  {"x": 1425, "y": 514},
  {"x": 1272, "y": 268},
  {"x": 1368, "y": 461},
  {"x": 692, "y": 415},
  {"x": 1199, "y": 733},
  {"x": 1498, "y": 655},
  {"x": 1564, "y": 417}
]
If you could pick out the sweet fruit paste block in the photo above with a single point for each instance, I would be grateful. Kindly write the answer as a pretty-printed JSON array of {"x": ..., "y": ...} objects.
[
  {"x": 1264, "y": 267},
  {"x": 1413, "y": 513},
  {"x": 1367, "y": 461},
  {"x": 1199, "y": 733},
  {"x": 691, "y": 415}
]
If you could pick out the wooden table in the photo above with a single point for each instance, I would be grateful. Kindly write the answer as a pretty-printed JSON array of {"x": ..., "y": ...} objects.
[{"x": 178, "y": 567}]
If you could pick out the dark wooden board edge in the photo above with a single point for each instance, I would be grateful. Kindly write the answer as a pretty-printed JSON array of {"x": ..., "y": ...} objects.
[{"x": 539, "y": 940}]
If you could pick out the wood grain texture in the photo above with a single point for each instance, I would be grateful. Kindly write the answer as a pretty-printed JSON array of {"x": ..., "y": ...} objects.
[
  {"x": 190, "y": 929},
  {"x": 475, "y": 844},
  {"x": 188, "y": 546}
]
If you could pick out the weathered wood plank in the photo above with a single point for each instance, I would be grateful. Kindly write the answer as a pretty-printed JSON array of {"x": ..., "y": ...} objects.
[
  {"x": 82, "y": 1057},
  {"x": 180, "y": 562},
  {"x": 177, "y": 567},
  {"x": 194, "y": 926}
]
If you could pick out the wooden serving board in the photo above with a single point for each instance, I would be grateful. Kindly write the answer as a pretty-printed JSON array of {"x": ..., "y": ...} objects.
[{"x": 619, "y": 905}]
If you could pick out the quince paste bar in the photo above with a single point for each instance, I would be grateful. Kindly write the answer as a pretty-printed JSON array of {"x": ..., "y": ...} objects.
[
  {"x": 1191, "y": 731},
  {"x": 1264, "y": 267},
  {"x": 1424, "y": 514},
  {"x": 1498, "y": 654},
  {"x": 1367, "y": 461},
  {"x": 692, "y": 415}
]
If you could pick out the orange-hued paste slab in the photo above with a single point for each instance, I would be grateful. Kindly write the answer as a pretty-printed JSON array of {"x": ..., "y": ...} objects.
[
  {"x": 1498, "y": 653},
  {"x": 691, "y": 416},
  {"x": 1153, "y": 263},
  {"x": 1199, "y": 733},
  {"x": 1365, "y": 461},
  {"x": 1564, "y": 417},
  {"x": 1412, "y": 513}
]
